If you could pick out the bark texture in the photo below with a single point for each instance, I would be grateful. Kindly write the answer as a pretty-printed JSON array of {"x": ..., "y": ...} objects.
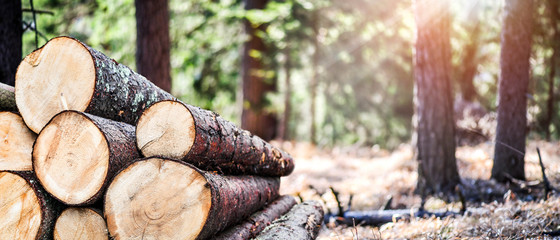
[
  {"x": 302, "y": 222},
  {"x": 253, "y": 225},
  {"x": 221, "y": 146},
  {"x": 121, "y": 141},
  {"x": 7, "y": 98},
  {"x": 50, "y": 208},
  {"x": 434, "y": 103},
  {"x": 11, "y": 29},
  {"x": 509, "y": 151},
  {"x": 256, "y": 81},
  {"x": 554, "y": 17},
  {"x": 152, "y": 42}
]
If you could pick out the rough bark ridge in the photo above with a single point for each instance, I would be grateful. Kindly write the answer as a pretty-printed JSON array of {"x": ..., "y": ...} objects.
[
  {"x": 235, "y": 198},
  {"x": 256, "y": 84},
  {"x": 509, "y": 150},
  {"x": 10, "y": 40},
  {"x": 434, "y": 103},
  {"x": 120, "y": 93},
  {"x": 50, "y": 208},
  {"x": 302, "y": 222},
  {"x": 152, "y": 42},
  {"x": 7, "y": 98},
  {"x": 252, "y": 226}
]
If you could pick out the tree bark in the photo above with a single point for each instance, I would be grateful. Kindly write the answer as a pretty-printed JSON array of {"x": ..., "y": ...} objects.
[
  {"x": 7, "y": 98},
  {"x": 284, "y": 126},
  {"x": 11, "y": 30},
  {"x": 152, "y": 42},
  {"x": 77, "y": 154},
  {"x": 252, "y": 226},
  {"x": 27, "y": 211},
  {"x": 303, "y": 221},
  {"x": 17, "y": 143},
  {"x": 554, "y": 17},
  {"x": 203, "y": 138},
  {"x": 509, "y": 150},
  {"x": 437, "y": 167},
  {"x": 66, "y": 74},
  {"x": 469, "y": 65},
  {"x": 175, "y": 200},
  {"x": 80, "y": 223},
  {"x": 256, "y": 81},
  {"x": 314, "y": 78}
]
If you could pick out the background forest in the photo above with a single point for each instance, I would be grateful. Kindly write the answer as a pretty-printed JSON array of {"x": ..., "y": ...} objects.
[{"x": 354, "y": 59}]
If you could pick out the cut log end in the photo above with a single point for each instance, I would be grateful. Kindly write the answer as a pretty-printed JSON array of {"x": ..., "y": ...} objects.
[
  {"x": 19, "y": 207},
  {"x": 16, "y": 143},
  {"x": 80, "y": 223},
  {"x": 170, "y": 136},
  {"x": 157, "y": 198},
  {"x": 41, "y": 92},
  {"x": 71, "y": 145}
]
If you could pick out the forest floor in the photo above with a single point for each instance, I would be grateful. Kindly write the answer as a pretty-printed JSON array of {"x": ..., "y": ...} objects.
[{"x": 372, "y": 175}]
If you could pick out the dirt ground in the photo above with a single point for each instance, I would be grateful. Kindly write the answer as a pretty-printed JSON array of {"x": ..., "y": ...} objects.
[{"x": 372, "y": 175}]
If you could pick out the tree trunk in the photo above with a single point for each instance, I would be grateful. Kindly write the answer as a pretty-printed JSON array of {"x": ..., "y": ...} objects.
[
  {"x": 66, "y": 74},
  {"x": 152, "y": 42},
  {"x": 77, "y": 154},
  {"x": 80, "y": 223},
  {"x": 252, "y": 226},
  {"x": 17, "y": 143},
  {"x": 7, "y": 98},
  {"x": 284, "y": 127},
  {"x": 167, "y": 199},
  {"x": 11, "y": 29},
  {"x": 27, "y": 211},
  {"x": 553, "y": 6},
  {"x": 509, "y": 151},
  {"x": 314, "y": 78},
  {"x": 256, "y": 80},
  {"x": 437, "y": 167},
  {"x": 302, "y": 222},
  {"x": 179, "y": 131},
  {"x": 469, "y": 65}
]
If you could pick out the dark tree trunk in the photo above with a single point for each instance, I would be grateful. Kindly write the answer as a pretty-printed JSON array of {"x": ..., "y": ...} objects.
[
  {"x": 10, "y": 40},
  {"x": 302, "y": 222},
  {"x": 152, "y": 42},
  {"x": 253, "y": 225},
  {"x": 437, "y": 170},
  {"x": 553, "y": 6},
  {"x": 255, "y": 80},
  {"x": 509, "y": 151},
  {"x": 469, "y": 65}
]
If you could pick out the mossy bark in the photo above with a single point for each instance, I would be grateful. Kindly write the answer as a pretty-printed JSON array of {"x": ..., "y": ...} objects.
[
  {"x": 7, "y": 98},
  {"x": 253, "y": 225},
  {"x": 302, "y": 222}
]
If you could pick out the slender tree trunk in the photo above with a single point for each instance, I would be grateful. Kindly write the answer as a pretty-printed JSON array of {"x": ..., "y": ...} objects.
[
  {"x": 152, "y": 42},
  {"x": 469, "y": 65},
  {"x": 284, "y": 128},
  {"x": 314, "y": 76},
  {"x": 437, "y": 170},
  {"x": 509, "y": 149},
  {"x": 10, "y": 40},
  {"x": 255, "y": 80},
  {"x": 553, "y": 6}
]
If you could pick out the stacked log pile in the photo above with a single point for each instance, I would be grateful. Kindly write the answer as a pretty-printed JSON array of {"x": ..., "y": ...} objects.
[{"x": 93, "y": 150}]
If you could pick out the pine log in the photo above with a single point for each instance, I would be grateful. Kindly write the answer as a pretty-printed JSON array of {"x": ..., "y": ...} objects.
[
  {"x": 17, "y": 143},
  {"x": 168, "y": 199},
  {"x": 7, "y": 98},
  {"x": 302, "y": 222},
  {"x": 80, "y": 224},
  {"x": 253, "y": 225},
  {"x": 179, "y": 131},
  {"x": 77, "y": 154},
  {"x": 26, "y": 210},
  {"x": 66, "y": 74}
]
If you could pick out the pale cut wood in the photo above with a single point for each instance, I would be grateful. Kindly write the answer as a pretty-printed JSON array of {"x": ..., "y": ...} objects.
[
  {"x": 80, "y": 224},
  {"x": 76, "y": 154},
  {"x": 66, "y": 74},
  {"x": 26, "y": 210},
  {"x": 167, "y": 199},
  {"x": 180, "y": 131},
  {"x": 17, "y": 143}
]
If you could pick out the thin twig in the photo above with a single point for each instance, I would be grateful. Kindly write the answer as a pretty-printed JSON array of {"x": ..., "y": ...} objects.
[
  {"x": 38, "y": 11},
  {"x": 338, "y": 203},
  {"x": 547, "y": 187},
  {"x": 33, "y": 12}
]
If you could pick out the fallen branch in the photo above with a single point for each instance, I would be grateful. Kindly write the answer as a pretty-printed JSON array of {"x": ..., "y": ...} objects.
[
  {"x": 547, "y": 187},
  {"x": 379, "y": 217}
]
